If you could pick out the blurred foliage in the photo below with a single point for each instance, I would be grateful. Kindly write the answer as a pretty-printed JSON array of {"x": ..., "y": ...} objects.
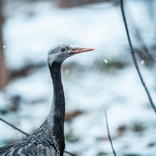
[
  {"x": 70, "y": 115},
  {"x": 101, "y": 154},
  {"x": 110, "y": 65},
  {"x": 138, "y": 126},
  {"x": 131, "y": 155},
  {"x": 75, "y": 3},
  {"x": 71, "y": 138},
  {"x": 4, "y": 111},
  {"x": 151, "y": 144},
  {"x": 121, "y": 129},
  {"x": 27, "y": 70}
]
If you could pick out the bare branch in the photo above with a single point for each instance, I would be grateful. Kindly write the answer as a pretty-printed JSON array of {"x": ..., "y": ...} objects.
[
  {"x": 134, "y": 57},
  {"x": 14, "y": 127},
  {"x": 109, "y": 134},
  {"x": 70, "y": 153}
]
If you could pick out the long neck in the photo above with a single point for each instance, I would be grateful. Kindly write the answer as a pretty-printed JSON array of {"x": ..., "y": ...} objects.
[
  {"x": 58, "y": 105},
  {"x": 57, "y": 112}
]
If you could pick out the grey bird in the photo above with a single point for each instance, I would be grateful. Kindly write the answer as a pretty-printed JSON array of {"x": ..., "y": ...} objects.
[{"x": 48, "y": 139}]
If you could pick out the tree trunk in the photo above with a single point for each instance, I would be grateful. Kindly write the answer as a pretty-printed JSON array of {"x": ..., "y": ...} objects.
[{"x": 4, "y": 76}]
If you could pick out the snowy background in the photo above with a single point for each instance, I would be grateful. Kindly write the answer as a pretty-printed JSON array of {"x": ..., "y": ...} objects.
[{"x": 102, "y": 79}]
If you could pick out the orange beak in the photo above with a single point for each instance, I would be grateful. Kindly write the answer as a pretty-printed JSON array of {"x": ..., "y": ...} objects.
[{"x": 78, "y": 50}]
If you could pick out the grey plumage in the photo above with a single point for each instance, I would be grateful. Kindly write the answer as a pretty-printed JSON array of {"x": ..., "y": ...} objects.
[{"x": 48, "y": 139}]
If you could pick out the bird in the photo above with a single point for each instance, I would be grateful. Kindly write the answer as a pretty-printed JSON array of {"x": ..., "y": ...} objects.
[{"x": 48, "y": 139}]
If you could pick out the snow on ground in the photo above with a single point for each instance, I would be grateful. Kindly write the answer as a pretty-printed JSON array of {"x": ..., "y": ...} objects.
[{"x": 90, "y": 85}]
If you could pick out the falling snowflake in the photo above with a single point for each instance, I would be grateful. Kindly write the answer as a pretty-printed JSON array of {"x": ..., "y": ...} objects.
[
  {"x": 105, "y": 61},
  {"x": 142, "y": 61},
  {"x": 67, "y": 72}
]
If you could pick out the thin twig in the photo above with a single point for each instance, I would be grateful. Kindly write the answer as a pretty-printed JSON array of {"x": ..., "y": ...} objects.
[
  {"x": 14, "y": 127},
  {"x": 109, "y": 134},
  {"x": 70, "y": 153},
  {"x": 29, "y": 134},
  {"x": 134, "y": 57}
]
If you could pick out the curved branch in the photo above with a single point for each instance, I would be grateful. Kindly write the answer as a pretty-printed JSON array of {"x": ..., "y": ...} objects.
[{"x": 134, "y": 57}]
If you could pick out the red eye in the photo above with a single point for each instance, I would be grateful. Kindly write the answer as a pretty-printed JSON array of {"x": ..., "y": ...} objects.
[{"x": 63, "y": 49}]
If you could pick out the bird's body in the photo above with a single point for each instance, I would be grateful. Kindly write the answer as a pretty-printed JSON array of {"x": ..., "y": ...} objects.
[
  {"x": 48, "y": 139},
  {"x": 37, "y": 144}
]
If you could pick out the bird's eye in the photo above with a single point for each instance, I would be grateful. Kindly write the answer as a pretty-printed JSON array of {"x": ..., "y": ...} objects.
[{"x": 63, "y": 49}]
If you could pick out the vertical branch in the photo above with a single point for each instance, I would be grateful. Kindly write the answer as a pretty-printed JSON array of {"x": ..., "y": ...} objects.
[
  {"x": 134, "y": 57},
  {"x": 109, "y": 134},
  {"x": 4, "y": 77}
]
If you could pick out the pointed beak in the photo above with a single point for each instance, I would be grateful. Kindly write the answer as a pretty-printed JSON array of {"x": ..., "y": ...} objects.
[{"x": 78, "y": 50}]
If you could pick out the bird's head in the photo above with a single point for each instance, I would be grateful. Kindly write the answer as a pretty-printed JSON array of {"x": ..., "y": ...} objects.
[{"x": 60, "y": 52}]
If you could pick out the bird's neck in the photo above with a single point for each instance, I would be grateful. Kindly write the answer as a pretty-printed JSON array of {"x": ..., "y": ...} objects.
[{"x": 57, "y": 112}]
